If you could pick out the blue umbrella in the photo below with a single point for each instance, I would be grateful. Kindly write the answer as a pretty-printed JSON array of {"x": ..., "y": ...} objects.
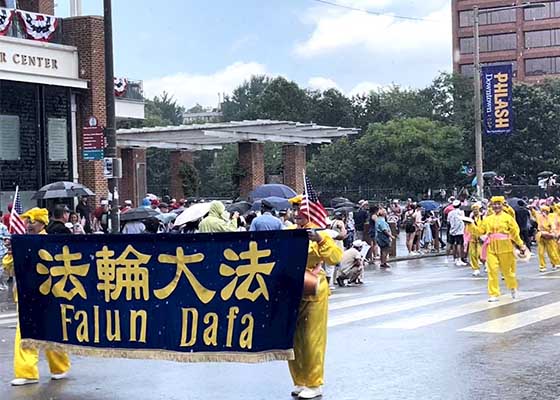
[
  {"x": 429, "y": 205},
  {"x": 279, "y": 203},
  {"x": 272, "y": 190}
]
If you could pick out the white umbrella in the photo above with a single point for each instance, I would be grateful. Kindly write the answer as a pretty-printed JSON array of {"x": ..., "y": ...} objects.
[{"x": 193, "y": 213}]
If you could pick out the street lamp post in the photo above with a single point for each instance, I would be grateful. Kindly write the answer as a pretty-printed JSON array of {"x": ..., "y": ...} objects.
[
  {"x": 110, "y": 129},
  {"x": 477, "y": 88}
]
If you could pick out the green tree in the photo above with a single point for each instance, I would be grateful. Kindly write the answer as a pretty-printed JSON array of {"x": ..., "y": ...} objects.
[
  {"x": 331, "y": 108},
  {"x": 191, "y": 180},
  {"x": 244, "y": 102}
]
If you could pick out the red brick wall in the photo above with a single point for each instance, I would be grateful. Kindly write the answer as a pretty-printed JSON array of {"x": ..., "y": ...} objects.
[
  {"x": 293, "y": 162},
  {"x": 38, "y": 6},
  {"x": 129, "y": 184},
  {"x": 86, "y": 33},
  {"x": 176, "y": 159},
  {"x": 251, "y": 161}
]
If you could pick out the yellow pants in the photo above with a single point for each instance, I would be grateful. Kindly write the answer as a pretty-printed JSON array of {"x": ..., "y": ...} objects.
[
  {"x": 26, "y": 360},
  {"x": 474, "y": 254},
  {"x": 310, "y": 341},
  {"x": 550, "y": 247},
  {"x": 507, "y": 264}
]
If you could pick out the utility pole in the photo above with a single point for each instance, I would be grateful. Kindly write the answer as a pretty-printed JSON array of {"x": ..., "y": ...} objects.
[
  {"x": 110, "y": 128},
  {"x": 477, "y": 105}
]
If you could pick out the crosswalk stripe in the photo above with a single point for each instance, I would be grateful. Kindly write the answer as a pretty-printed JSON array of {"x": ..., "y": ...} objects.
[
  {"x": 518, "y": 320},
  {"x": 372, "y": 312},
  {"x": 440, "y": 315},
  {"x": 8, "y": 321},
  {"x": 369, "y": 299},
  {"x": 336, "y": 296},
  {"x": 10, "y": 315}
]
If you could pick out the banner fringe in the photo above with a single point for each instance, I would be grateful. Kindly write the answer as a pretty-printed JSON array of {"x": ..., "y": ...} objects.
[{"x": 165, "y": 355}]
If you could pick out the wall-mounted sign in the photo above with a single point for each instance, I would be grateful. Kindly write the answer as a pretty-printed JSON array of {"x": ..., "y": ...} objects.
[
  {"x": 93, "y": 140},
  {"x": 32, "y": 61},
  {"x": 57, "y": 131},
  {"x": 9, "y": 137},
  {"x": 497, "y": 86}
]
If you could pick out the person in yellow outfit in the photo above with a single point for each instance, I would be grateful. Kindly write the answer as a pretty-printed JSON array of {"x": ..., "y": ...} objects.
[
  {"x": 547, "y": 235},
  {"x": 501, "y": 233},
  {"x": 474, "y": 241},
  {"x": 26, "y": 360},
  {"x": 310, "y": 340}
]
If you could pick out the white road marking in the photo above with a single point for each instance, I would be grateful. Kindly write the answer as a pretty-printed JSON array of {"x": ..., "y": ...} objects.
[
  {"x": 440, "y": 315},
  {"x": 369, "y": 299},
  {"x": 371, "y": 312},
  {"x": 8, "y": 315},
  {"x": 8, "y": 321},
  {"x": 518, "y": 320}
]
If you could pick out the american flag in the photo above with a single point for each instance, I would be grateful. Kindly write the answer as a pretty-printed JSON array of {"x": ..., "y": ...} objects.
[
  {"x": 17, "y": 226},
  {"x": 312, "y": 207}
]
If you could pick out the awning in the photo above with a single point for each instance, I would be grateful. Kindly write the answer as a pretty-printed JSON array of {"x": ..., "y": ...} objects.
[{"x": 43, "y": 80}]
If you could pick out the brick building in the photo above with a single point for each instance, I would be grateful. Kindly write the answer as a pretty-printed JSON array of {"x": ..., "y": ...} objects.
[
  {"x": 529, "y": 39},
  {"x": 49, "y": 89}
]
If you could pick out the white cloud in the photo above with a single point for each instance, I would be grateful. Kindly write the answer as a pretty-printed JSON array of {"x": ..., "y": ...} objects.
[
  {"x": 382, "y": 35},
  {"x": 321, "y": 83},
  {"x": 364, "y": 88},
  {"x": 190, "y": 89}
]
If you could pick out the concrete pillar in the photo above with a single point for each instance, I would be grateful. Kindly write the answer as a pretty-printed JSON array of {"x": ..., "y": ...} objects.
[
  {"x": 37, "y": 6},
  {"x": 133, "y": 185},
  {"x": 176, "y": 159},
  {"x": 86, "y": 33},
  {"x": 251, "y": 162},
  {"x": 293, "y": 163}
]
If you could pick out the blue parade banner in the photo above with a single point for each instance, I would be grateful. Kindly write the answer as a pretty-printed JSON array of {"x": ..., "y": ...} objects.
[
  {"x": 203, "y": 297},
  {"x": 497, "y": 88}
]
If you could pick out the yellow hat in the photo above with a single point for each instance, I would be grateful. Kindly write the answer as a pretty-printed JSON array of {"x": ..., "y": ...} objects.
[
  {"x": 296, "y": 200},
  {"x": 37, "y": 214},
  {"x": 498, "y": 199},
  {"x": 476, "y": 206}
]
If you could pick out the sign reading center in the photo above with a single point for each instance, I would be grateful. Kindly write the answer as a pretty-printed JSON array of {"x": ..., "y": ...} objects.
[{"x": 93, "y": 140}]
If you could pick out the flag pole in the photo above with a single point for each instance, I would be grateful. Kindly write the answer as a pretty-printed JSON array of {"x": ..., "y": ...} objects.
[
  {"x": 13, "y": 209},
  {"x": 305, "y": 194}
]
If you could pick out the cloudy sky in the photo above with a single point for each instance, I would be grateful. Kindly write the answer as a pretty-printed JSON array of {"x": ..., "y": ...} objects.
[{"x": 197, "y": 49}]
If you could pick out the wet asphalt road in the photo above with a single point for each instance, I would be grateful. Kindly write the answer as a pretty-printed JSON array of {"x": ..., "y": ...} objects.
[{"x": 420, "y": 331}]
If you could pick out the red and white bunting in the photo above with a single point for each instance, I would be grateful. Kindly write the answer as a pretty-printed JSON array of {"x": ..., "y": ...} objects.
[
  {"x": 38, "y": 26},
  {"x": 6, "y": 17},
  {"x": 121, "y": 85}
]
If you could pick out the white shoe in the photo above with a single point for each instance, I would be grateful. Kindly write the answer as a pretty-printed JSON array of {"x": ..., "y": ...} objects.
[
  {"x": 457, "y": 263},
  {"x": 311, "y": 393},
  {"x": 513, "y": 293},
  {"x": 58, "y": 377},
  {"x": 462, "y": 263},
  {"x": 23, "y": 381},
  {"x": 493, "y": 299},
  {"x": 297, "y": 390},
  {"x": 476, "y": 273},
  {"x": 555, "y": 267}
]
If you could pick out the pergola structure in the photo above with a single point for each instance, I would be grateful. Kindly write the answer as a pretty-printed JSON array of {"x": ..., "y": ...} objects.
[{"x": 250, "y": 136}]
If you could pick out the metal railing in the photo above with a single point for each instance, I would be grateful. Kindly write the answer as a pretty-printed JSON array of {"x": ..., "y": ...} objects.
[{"x": 134, "y": 91}]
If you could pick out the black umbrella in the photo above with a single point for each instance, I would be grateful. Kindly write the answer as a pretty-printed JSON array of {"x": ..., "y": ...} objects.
[
  {"x": 138, "y": 214},
  {"x": 62, "y": 190},
  {"x": 545, "y": 174},
  {"x": 344, "y": 209},
  {"x": 489, "y": 174},
  {"x": 338, "y": 200},
  {"x": 242, "y": 207},
  {"x": 347, "y": 204}
]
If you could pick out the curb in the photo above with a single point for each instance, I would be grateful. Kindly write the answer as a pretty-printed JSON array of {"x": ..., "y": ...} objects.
[{"x": 407, "y": 258}]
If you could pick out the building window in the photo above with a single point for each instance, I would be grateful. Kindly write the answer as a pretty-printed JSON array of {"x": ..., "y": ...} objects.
[
  {"x": 542, "y": 38},
  {"x": 468, "y": 69},
  {"x": 9, "y": 137},
  {"x": 542, "y": 66},
  {"x": 466, "y": 18},
  {"x": 507, "y": 41},
  {"x": 550, "y": 10}
]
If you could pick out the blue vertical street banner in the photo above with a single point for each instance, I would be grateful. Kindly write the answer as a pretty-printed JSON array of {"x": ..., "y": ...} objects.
[
  {"x": 497, "y": 88},
  {"x": 203, "y": 297}
]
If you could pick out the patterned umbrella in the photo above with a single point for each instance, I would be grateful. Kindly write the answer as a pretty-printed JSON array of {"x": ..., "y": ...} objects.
[{"x": 62, "y": 190}]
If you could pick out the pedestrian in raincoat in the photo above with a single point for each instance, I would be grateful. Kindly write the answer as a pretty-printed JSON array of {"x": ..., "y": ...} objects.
[
  {"x": 310, "y": 340},
  {"x": 546, "y": 238},
  {"x": 218, "y": 220},
  {"x": 501, "y": 234},
  {"x": 26, "y": 360}
]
